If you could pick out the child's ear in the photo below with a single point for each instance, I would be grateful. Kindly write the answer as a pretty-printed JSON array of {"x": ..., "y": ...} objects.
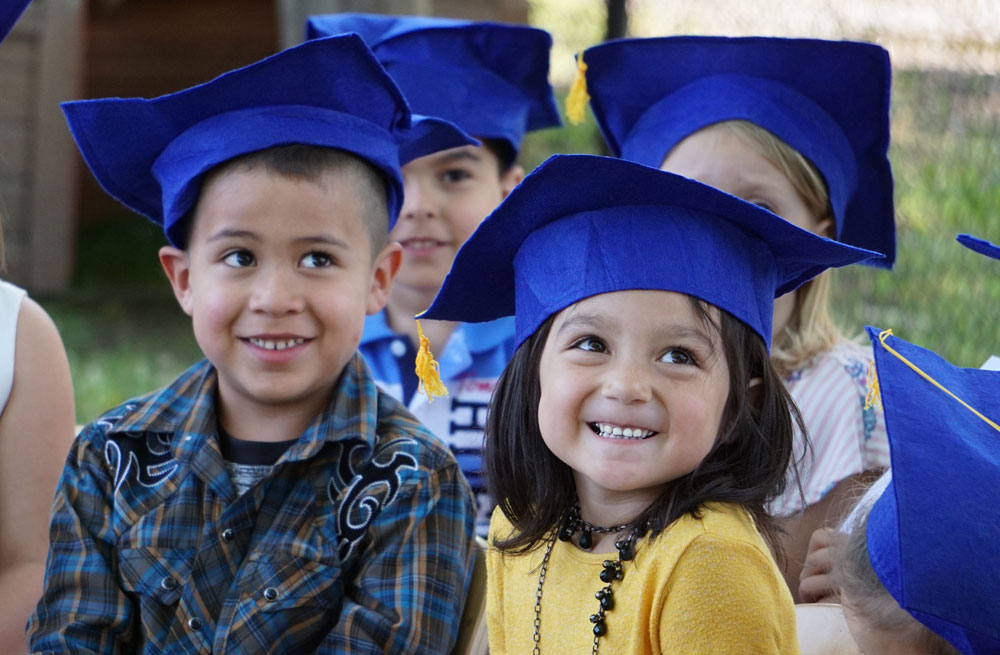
[
  {"x": 177, "y": 266},
  {"x": 385, "y": 268},
  {"x": 511, "y": 178}
]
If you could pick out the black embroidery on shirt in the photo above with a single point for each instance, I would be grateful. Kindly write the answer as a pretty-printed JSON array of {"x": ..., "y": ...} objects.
[
  {"x": 147, "y": 458},
  {"x": 368, "y": 491}
]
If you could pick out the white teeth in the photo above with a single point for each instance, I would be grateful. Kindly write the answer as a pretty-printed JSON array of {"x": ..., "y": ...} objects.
[
  {"x": 610, "y": 431},
  {"x": 268, "y": 344}
]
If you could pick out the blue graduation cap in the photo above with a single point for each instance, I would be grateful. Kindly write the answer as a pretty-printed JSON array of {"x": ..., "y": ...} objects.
[
  {"x": 582, "y": 225},
  {"x": 10, "y": 11},
  {"x": 934, "y": 534},
  {"x": 981, "y": 246},
  {"x": 490, "y": 79},
  {"x": 151, "y": 154},
  {"x": 829, "y": 100}
]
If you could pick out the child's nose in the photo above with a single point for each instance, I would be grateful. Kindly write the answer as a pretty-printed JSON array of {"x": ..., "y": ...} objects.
[
  {"x": 276, "y": 292},
  {"x": 417, "y": 201},
  {"x": 628, "y": 382}
]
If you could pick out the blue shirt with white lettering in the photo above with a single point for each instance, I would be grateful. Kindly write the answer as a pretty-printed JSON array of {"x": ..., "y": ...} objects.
[{"x": 471, "y": 362}]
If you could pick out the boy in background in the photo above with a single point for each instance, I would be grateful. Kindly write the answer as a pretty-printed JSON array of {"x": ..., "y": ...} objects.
[
  {"x": 270, "y": 499},
  {"x": 492, "y": 81}
]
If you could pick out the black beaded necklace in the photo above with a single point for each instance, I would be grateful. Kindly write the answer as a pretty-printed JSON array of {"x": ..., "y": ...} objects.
[{"x": 611, "y": 570}]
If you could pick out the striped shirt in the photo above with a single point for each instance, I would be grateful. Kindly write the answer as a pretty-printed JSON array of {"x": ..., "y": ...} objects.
[
  {"x": 359, "y": 540},
  {"x": 846, "y": 438}
]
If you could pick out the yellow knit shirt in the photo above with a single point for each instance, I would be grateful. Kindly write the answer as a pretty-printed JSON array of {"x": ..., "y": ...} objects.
[{"x": 705, "y": 585}]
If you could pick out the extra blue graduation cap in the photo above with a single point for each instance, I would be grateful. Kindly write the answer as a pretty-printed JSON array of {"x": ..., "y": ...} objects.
[
  {"x": 829, "y": 100},
  {"x": 152, "y": 154},
  {"x": 981, "y": 246},
  {"x": 10, "y": 11},
  {"x": 490, "y": 79},
  {"x": 934, "y": 534},
  {"x": 582, "y": 225}
]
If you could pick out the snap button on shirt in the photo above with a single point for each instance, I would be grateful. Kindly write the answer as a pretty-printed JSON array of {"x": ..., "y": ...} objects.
[{"x": 271, "y": 593}]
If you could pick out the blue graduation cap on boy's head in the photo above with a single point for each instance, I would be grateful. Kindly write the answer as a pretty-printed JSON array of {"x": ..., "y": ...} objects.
[
  {"x": 982, "y": 246},
  {"x": 582, "y": 225},
  {"x": 829, "y": 100},
  {"x": 10, "y": 11},
  {"x": 934, "y": 534},
  {"x": 152, "y": 155},
  {"x": 490, "y": 79}
]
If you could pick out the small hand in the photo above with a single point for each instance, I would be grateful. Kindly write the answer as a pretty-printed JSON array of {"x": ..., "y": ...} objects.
[{"x": 816, "y": 582}]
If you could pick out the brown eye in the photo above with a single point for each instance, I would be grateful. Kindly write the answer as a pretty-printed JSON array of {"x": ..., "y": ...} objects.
[
  {"x": 677, "y": 356},
  {"x": 590, "y": 344},
  {"x": 316, "y": 260},
  {"x": 239, "y": 259}
]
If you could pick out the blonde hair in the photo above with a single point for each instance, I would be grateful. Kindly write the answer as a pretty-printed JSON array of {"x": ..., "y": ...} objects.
[{"x": 810, "y": 329}]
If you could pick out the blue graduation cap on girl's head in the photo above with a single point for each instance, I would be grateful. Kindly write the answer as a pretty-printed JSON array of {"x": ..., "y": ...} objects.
[
  {"x": 490, "y": 79},
  {"x": 582, "y": 225},
  {"x": 934, "y": 534},
  {"x": 152, "y": 155},
  {"x": 10, "y": 11},
  {"x": 829, "y": 100},
  {"x": 981, "y": 246}
]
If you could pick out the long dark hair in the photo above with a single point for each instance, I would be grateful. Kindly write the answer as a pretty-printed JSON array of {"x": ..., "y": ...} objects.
[{"x": 747, "y": 465}]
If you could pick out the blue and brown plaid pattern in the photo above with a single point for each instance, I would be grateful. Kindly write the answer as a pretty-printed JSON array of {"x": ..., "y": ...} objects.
[{"x": 358, "y": 542}]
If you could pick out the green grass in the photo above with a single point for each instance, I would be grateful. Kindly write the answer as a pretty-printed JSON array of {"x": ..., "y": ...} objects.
[
  {"x": 125, "y": 334},
  {"x": 123, "y": 330}
]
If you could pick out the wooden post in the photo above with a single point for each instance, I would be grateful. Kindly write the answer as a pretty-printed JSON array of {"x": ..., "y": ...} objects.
[{"x": 39, "y": 67}]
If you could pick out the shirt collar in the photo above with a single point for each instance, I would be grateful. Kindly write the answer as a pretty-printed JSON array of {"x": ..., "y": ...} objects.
[
  {"x": 477, "y": 337},
  {"x": 186, "y": 409}
]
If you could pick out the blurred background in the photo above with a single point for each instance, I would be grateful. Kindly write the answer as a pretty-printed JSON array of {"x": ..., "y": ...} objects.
[{"x": 93, "y": 265}]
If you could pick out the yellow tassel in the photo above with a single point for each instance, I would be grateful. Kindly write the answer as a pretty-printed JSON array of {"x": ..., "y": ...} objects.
[
  {"x": 874, "y": 395},
  {"x": 577, "y": 99},
  {"x": 885, "y": 334},
  {"x": 428, "y": 370}
]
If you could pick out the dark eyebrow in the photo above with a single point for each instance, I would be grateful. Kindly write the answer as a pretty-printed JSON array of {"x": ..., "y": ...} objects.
[
  {"x": 685, "y": 332},
  {"x": 464, "y": 153},
  {"x": 323, "y": 239},
  {"x": 233, "y": 233},
  {"x": 591, "y": 321}
]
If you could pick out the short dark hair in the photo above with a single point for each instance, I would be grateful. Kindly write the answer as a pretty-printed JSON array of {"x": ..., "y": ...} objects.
[
  {"x": 747, "y": 465},
  {"x": 310, "y": 163},
  {"x": 503, "y": 151}
]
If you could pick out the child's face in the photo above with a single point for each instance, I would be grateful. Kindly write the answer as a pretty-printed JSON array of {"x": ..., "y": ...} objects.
[
  {"x": 278, "y": 277},
  {"x": 631, "y": 362},
  {"x": 447, "y": 195},
  {"x": 717, "y": 157}
]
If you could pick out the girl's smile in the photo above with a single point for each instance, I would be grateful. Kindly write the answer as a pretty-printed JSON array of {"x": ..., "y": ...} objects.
[{"x": 633, "y": 385}]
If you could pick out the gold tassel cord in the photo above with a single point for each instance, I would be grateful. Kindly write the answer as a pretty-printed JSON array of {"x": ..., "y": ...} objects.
[
  {"x": 874, "y": 395},
  {"x": 577, "y": 98},
  {"x": 428, "y": 371},
  {"x": 883, "y": 336}
]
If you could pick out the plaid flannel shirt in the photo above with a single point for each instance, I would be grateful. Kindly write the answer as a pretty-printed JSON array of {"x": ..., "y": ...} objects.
[{"x": 360, "y": 540}]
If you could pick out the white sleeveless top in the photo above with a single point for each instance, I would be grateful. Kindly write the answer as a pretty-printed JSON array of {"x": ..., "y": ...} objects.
[{"x": 10, "y": 307}]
